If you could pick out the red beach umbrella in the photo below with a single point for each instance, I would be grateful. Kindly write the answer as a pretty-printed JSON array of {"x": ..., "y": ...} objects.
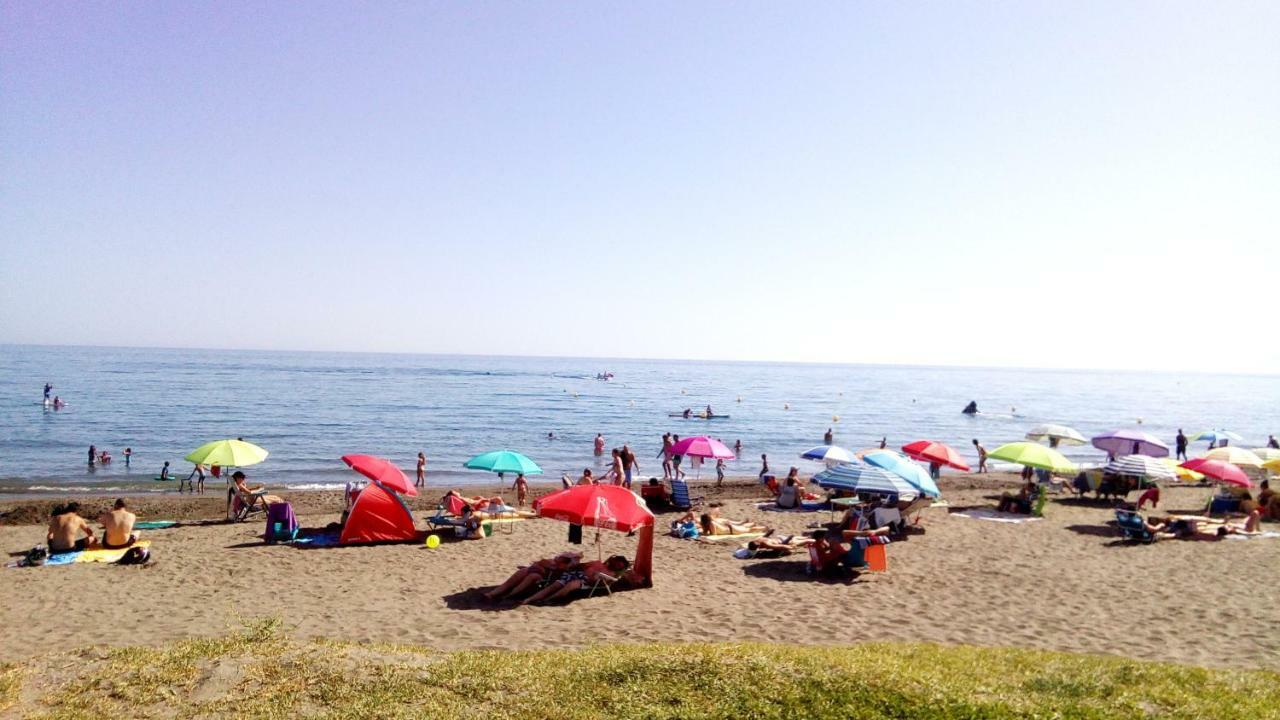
[
  {"x": 612, "y": 507},
  {"x": 381, "y": 471},
  {"x": 1219, "y": 470},
  {"x": 703, "y": 447},
  {"x": 935, "y": 452}
]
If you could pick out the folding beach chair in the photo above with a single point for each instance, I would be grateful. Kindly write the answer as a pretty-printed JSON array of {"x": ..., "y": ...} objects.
[
  {"x": 240, "y": 505},
  {"x": 1132, "y": 527},
  {"x": 604, "y": 582},
  {"x": 680, "y": 496},
  {"x": 442, "y": 520}
]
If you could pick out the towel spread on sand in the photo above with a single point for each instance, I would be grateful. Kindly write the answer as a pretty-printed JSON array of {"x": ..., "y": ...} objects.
[
  {"x": 994, "y": 516},
  {"x": 154, "y": 524},
  {"x": 721, "y": 538},
  {"x": 97, "y": 555},
  {"x": 804, "y": 507},
  {"x": 1270, "y": 534}
]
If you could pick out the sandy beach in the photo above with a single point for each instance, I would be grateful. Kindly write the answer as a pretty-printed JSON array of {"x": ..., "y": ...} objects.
[{"x": 1061, "y": 583}]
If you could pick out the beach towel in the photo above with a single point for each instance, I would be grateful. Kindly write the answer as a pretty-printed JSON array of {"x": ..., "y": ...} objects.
[
  {"x": 994, "y": 516},
  {"x": 1269, "y": 535},
  {"x": 154, "y": 524},
  {"x": 97, "y": 555},
  {"x": 721, "y": 538},
  {"x": 804, "y": 507}
]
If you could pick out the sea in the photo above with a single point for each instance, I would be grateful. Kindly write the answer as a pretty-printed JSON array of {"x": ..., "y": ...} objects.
[{"x": 310, "y": 408}]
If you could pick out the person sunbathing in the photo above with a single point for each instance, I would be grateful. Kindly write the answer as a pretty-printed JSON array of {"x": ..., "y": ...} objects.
[
  {"x": 710, "y": 523},
  {"x": 535, "y": 572},
  {"x": 1199, "y": 529},
  {"x": 1020, "y": 503},
  {"x": 768, "y": 547},
  {"x": 575, "y": 579},
  {"x": 117, "y": 526},
  {"x": 243, "y": 487},
  {"x": 487, "y": 508},
  {"x": 65, "y": 526}
]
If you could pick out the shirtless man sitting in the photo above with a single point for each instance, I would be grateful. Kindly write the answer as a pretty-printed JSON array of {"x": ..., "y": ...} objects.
[
  {"x": 117, "y": 526},
  {"x": 64, "y": 530}
]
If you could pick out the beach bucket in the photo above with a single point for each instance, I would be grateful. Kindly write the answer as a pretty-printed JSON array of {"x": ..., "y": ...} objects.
[{"x": 877, "y": 560}]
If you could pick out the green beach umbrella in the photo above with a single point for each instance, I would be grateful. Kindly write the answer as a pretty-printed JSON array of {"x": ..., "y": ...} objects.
[
  {"x": 1033, "y": 455},
  {"x": 503, "y": 461},
  {"x": 227, "y": 453}
]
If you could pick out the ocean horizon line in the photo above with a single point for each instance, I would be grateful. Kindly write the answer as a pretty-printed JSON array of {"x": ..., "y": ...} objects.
[{"x": 690, "y": 361}]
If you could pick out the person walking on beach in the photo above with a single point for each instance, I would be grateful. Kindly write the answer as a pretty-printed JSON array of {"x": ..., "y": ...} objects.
[
  {"x": 828, "y": 438},
  {"x": 764, "y": 466},
  {"x": 629, "y": 465},
  {"x": 676, "y": 472},
  {"x": 665, "y": 454},
  {"x": 1180, "y": 443},
  {"x": 196, "y": 472},
  {"x": 599, "y": 445},
  {"x": 422, "y": 471},
  {"x": 982, "y": 456},
  {"x": 521, "y": 487}
]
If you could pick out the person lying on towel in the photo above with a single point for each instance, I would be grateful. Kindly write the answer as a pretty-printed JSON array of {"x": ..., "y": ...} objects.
[
  {"x": 583, "y": 575},
  {"x": 535, "y": 573},
  {"x": 1196, "y": 529},
  {"x": 769, "y": 547},
  {"x": 710, "y": 523}
]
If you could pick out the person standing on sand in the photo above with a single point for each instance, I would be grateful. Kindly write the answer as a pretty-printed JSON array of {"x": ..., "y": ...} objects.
[
  {"x": 676, "y": 472},
  {"x": 719, "y": 472},
  {"x": 982, "y": 456},
  {"x": 521, "y": 487},
  {"x": 665, "y": 454},
  {"x": 828, "y": 438},
  {"x": 422, "y": 471},
  {"x": 1180, "y": 443},
  {"x": 629, "y": 465},
  {"x": 1272, "y": 442},
  {"x": 599, "y": 445}
]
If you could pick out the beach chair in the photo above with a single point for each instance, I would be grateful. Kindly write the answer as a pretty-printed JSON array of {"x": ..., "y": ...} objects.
[
  {"x": 1132, "y": 527},
  {"x": 240, "y": 505},
  {"x": 442, "y": 520},
  {"x": 916, "y": 507},
  {"x": 680, "y": 496},
  {"x": 604, "y": 582}
]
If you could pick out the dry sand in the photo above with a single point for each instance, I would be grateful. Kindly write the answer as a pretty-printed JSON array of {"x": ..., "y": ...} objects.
[{"x": 1063, "y": 583}]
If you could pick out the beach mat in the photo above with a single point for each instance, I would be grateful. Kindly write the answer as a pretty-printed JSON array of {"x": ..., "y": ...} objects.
[
  {"x": 154, "y": 524},
  {"x": 97, "y": 555},
  {"x": 804, "y": 507},
  {"x": 994, "y": 516},
  {"x": 1269, "y": 535},
  {"x": 727, "y": 538}
]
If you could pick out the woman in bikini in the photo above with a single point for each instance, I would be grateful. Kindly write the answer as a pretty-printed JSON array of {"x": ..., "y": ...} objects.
[
  {"x": 575, "y": 579},
  {"x": 536, "y": 572},
  {"x": 710, "y": 523}
]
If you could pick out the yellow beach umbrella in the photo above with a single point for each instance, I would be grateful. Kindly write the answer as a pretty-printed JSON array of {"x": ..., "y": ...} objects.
[
  {"x": 1183, "y": 473},
  {"x": 1234, "y": 455},
  {"x": 1272, "y": 465},
  {"x": 227, "y": 453},
  {"x": 1267, "y": 454}
]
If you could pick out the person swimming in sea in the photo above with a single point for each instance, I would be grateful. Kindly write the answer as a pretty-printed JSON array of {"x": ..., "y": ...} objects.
[{"x": 971, "y": 408}]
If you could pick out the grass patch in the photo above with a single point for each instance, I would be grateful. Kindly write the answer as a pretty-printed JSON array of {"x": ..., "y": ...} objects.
[{"x": 259, "y": 672}]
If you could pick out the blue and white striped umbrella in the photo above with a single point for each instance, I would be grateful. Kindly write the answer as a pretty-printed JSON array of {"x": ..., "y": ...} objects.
[
  {"x": 904, "y": 468},
  {"x": 1141, "y": 466},
  {"x": 828, "y": 454},
  {"x": 860, "y": 477}
]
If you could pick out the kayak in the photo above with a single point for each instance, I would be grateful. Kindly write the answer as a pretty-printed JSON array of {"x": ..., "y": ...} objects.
[{"x": 699, "y": 416}]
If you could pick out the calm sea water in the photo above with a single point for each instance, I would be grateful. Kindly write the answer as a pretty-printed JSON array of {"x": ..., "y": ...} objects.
[{"x": 308, "y": 409}]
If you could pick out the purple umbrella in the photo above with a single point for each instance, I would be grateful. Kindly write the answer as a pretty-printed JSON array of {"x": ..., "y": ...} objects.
[{"x": 1130, "y": 442}]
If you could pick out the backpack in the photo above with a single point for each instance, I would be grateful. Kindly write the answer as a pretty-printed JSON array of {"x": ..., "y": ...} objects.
[{"x": 135, "y": 556}]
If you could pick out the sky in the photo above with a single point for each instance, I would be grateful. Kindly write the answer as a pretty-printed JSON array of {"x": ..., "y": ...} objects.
[{"x": 1035, "y": 184}]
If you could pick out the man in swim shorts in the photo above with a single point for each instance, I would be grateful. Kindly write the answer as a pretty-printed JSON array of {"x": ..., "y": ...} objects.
[
  {"x": 117, "y": 526},
  {"x": 64, "y": 530}
]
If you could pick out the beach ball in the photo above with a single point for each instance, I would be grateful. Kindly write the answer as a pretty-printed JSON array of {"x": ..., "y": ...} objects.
[{"x": 433, "y": 541}]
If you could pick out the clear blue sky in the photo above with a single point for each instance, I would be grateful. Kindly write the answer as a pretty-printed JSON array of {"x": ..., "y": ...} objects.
[{"x": 1059, "y": 184}]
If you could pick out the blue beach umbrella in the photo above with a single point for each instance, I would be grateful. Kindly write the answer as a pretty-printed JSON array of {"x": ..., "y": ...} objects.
[
  {"x": 503, "y": 461},
  {"x": 1216, "y": 436},
  {"x": 828, "y": 454},
  {"x": 904, "y": 468},
  {"x": 860, "y": 477}
]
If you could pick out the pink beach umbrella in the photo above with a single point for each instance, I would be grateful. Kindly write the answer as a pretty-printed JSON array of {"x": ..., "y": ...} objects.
[
  {"x": 1219, "y": 470},
  {"x": 702, "y": 447}
]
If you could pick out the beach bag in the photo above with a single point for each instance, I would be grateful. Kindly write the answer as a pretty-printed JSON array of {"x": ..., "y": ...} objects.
[
  {"x": 34, "y": 557},
  {"x": 282, "y": 525},
  {"x": 688, "y": 531},
  {"x": 135, "y": 556}
]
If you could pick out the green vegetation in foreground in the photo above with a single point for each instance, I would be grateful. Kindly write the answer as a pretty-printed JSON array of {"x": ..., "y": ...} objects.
[{"x": 263, "y": 673}]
